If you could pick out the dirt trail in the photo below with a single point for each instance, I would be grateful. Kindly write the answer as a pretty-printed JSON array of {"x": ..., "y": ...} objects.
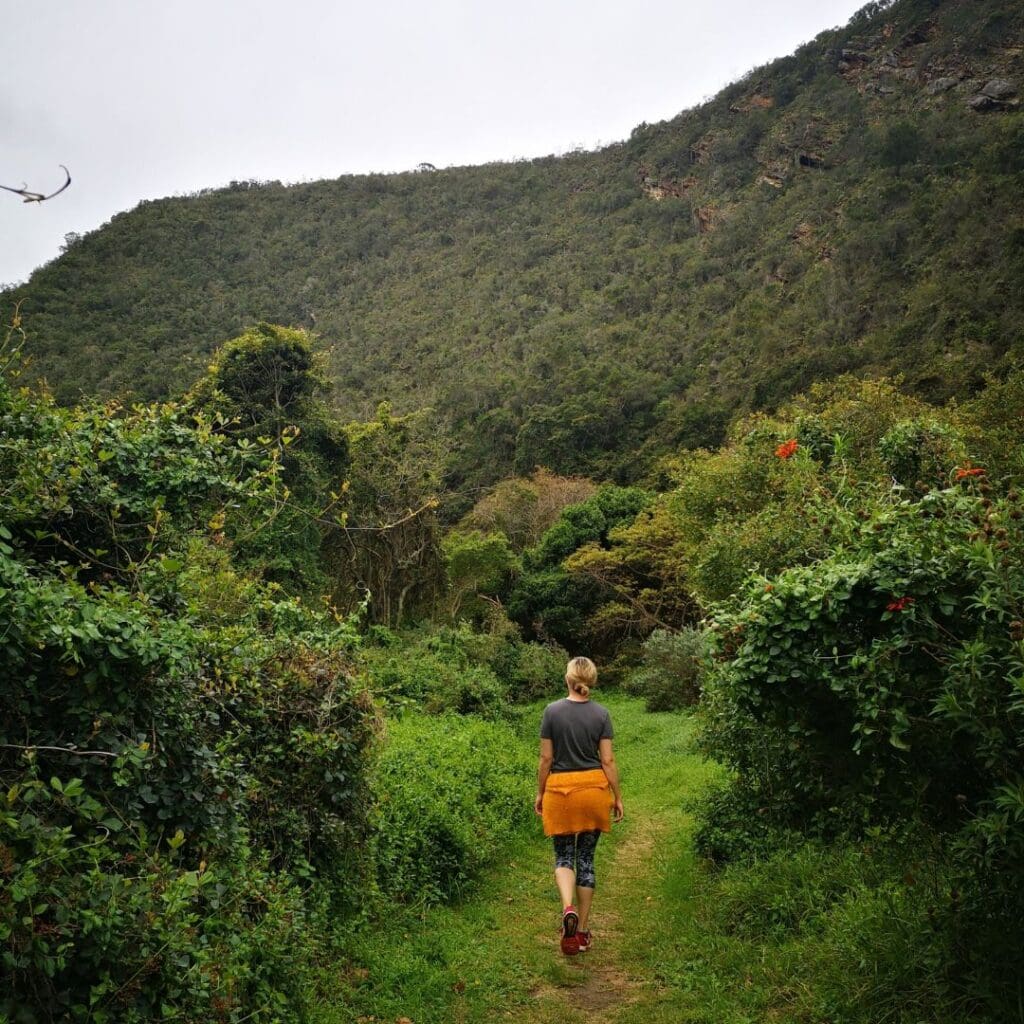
[{"x": 596, "y": 983}]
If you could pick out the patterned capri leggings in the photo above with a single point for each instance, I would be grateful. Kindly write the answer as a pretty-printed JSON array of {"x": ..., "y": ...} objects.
[{"x": 576, "y": 851}]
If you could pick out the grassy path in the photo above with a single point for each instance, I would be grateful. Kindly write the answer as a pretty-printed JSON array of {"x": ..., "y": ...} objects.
[
  {"x": 496, "y": 955},
  {"x": 808, "y": 936},
  {"x": 615, "y": 981}
]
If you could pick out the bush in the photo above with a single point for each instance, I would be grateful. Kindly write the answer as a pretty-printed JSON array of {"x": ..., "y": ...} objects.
[
  {"x": 921, "y": 454},
  {"x": 180, "y": 743},
  {"x": 105, "y": 923},
  {"x": 881, "y": 685},
  {"x": 462, "y": 670},
  {"x": 451, "y": 794},
  {"x": 878, "y": 678},
  {"x": 673, "y": 669},
  {"x": 412, "y": 677},
  {"x": 536, "y": 671},
  {"x": 734, "y": 824}
]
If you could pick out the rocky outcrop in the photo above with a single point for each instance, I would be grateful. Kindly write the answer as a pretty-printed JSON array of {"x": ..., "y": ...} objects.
[
  {"x": 705, "y": 218},
  {"x": 995, "y": 94},
  {"x": 999, "y": 89},
  {"x": 655, "y": 187},
  {"x": 940, "y": 85}
]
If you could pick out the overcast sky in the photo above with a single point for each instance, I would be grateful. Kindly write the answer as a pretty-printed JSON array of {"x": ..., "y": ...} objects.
[{"x": 148, "y": 98}]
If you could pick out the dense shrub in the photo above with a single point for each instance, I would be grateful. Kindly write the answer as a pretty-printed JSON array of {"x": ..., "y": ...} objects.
[
  {"x": 181, "y": 744},
  {"x": 734, "y": 825},
  {"x": 921, "y": 454},
  {"x": 478, "y": 569},
  {"x": 460, "y": 669},
  {"x": 861, "y": 669},
  {"x": 881, "y": 685},
  {"x": 451, "y": 793},
  {"x": 104, "y": 921},
  {"x": 672, "y": 670},
  {"x": 411, "y": 677},
  {"x": 535, "y": 671}
]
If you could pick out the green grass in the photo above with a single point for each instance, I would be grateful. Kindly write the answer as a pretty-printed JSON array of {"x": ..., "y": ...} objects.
[
  {"x": 807, "y": 936},
  {"x": 496, "y": 952}
]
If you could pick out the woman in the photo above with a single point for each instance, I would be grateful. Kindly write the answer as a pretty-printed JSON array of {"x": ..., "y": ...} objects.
[{"x": 577, "y": 769}]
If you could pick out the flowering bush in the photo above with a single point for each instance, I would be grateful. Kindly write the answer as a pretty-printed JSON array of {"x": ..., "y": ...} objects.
[{"x": 883, "y": 685}]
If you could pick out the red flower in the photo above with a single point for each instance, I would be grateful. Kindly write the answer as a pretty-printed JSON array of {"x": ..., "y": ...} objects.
[
  {"x": 967, "y": 470},
  {"x": 900, "y": 604},
  {"x": 787, "y": 448}
]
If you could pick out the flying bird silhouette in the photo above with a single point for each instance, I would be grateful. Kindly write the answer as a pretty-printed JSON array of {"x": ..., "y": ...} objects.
[{"x": 38, "y": 197}]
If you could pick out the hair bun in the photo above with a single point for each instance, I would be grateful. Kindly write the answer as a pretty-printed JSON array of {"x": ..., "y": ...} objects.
[{"x": 581, "y": 675}]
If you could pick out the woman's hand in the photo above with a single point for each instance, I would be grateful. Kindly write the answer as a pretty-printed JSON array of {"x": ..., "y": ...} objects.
[
  {"x": 538, "y": 805},
  {"x": 617, "y": 812}
]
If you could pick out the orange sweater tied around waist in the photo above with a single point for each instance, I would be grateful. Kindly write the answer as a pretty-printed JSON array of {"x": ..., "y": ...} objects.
[{"x": 577, "y": 802}]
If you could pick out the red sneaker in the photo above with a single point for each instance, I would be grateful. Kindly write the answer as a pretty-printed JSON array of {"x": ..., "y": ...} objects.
[
  {"x": 583, "y": 941},
  {"x": 570, "y": 940}
]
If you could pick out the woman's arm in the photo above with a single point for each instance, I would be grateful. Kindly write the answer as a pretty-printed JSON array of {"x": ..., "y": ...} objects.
[
  {"x": 611, "y": 771},
  {"x": 547, "y": 756}
]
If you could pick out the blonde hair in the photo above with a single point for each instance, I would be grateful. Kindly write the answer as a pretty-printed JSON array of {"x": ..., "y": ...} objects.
[{"x": 581, "y": 675}]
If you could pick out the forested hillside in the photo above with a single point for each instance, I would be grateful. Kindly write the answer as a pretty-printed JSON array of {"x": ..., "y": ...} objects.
[
  {"x": 852, "y": 207},
  {"x": 736, "y": 407}
]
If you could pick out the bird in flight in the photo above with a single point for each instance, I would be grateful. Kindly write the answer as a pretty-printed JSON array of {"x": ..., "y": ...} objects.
[{"x": 38, "y": 197}]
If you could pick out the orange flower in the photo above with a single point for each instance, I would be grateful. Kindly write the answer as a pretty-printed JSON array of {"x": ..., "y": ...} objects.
[
  {"x": 787, "y": 448},
  {"x": 967, "y": 470}
]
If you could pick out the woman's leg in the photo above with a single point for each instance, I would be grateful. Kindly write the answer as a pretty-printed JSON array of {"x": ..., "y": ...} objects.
[
  {"x": 586, "y": 844},
  {"x": 565, "y": 869}
]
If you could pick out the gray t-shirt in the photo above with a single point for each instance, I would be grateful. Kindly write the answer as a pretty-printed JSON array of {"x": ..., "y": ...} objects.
[{"x": 575, "y": 728}]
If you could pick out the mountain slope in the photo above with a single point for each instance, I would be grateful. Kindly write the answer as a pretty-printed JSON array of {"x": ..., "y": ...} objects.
[{"x": 855, "y": 206}]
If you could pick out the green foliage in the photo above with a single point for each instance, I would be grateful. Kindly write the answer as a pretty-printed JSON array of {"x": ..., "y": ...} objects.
[
  {"x": 450, "y": 795},
  {"x": 267, "y": 386},
  {"x": 921, "y": 455},
  {"x": 901, "y": 145},
  {"x": 882, "y": 685},
  {"x": 992, "y": 422},
  {"x": 735, "y": 825},
  {"x": 535, "y": 671},
  {"x": 385, "y": 553},
  {"x": 131, "y": 926},
  {"x": 546, "y": 601},
  {"x": 182, "y": 748},
  {"x": 477, "y": 566},
  {"x": 673, "y": 669},
  {"x": 460, "y": 669},
  {"x": 882, "y": 676},
  {"x": 422, "y": 678}
]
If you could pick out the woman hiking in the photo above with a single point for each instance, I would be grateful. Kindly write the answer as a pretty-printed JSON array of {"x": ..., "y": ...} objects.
[{"x": 577, "y": 792}]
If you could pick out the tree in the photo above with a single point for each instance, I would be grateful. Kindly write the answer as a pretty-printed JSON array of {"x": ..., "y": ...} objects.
[
  {"x": 385, "y": 545},
  {"x": 267, "y": 385},
  {"x": 901, "y": 145}
]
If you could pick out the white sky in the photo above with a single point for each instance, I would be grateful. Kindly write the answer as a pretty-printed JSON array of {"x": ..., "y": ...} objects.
[{"x": 148, "y": 98}]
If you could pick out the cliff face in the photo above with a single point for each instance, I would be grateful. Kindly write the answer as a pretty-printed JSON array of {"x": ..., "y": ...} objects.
[{"x": 853, "y": 207}]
